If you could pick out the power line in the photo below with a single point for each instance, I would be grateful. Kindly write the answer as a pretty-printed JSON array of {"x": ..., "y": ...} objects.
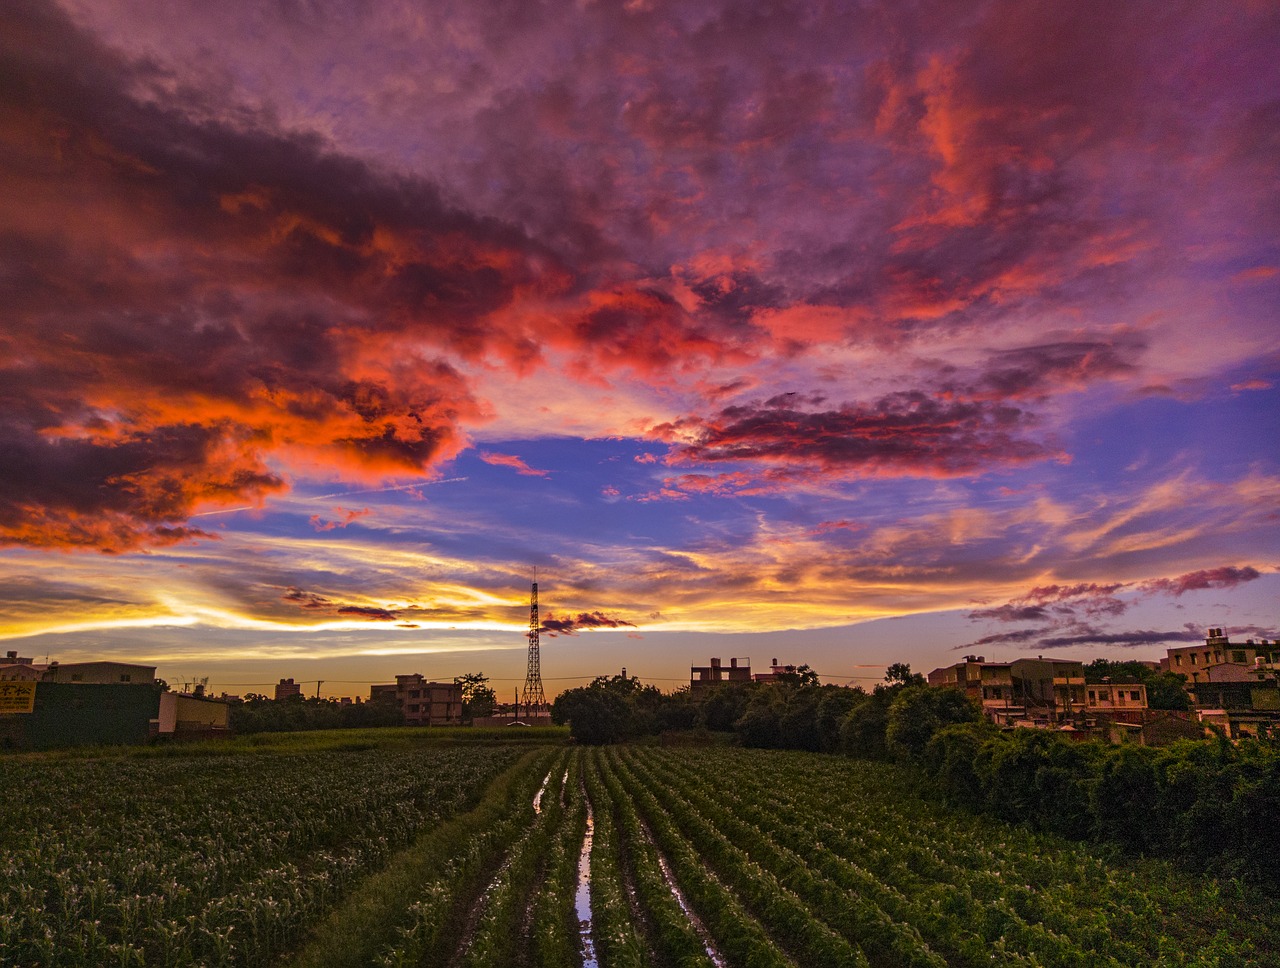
[{"x": 585, "y": 675}]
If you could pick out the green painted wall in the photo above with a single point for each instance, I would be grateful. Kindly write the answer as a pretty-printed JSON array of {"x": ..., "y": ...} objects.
[{"x": 80, "y": 714}]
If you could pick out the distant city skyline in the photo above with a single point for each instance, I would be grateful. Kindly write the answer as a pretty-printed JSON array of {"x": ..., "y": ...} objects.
[{"x": 844, "y": 335}]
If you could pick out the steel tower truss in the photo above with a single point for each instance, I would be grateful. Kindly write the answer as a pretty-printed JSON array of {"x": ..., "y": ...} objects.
[{"x": 533, "y": 697}]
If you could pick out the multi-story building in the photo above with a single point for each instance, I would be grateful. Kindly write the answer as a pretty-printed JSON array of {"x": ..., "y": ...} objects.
[
  {"x": 1242, "y": 700},
  {"x": 1118, "y": 701},
  {"x": 1218, "y": 649},
  {"x": 287, "y": 689},
  {"x": 705, "y": 677},
  {"x": 423, "y": 703},
  {"x": 1038, "y": 690},
  {"x": 1233, "y": 686}
]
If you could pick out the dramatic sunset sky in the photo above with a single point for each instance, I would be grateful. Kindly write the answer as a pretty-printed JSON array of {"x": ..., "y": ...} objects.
[{"x": 843, "y": 333}]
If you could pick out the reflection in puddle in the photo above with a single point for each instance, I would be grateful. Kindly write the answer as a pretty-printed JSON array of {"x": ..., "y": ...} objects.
[
  {"x": 537, "y": 797},
  {"x": 582, "y": 902}
]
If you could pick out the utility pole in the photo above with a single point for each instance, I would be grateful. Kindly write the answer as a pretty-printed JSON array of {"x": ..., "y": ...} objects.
[{"x": 319, "y": 683}]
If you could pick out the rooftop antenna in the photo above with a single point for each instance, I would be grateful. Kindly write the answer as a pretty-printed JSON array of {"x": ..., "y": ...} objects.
[{"x": 533, "y": 696}]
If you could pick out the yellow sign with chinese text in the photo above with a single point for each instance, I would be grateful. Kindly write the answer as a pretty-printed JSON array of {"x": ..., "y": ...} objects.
[{"x": 18, "y": 696}]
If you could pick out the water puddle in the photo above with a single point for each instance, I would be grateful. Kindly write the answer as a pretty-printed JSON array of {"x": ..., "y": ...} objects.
[
  {"x": 537, "y": 797},
  {"x": 582, "y": 901},
  {"x": 712, "y": 953}
]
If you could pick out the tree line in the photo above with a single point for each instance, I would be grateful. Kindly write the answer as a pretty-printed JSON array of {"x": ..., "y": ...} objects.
[
  {"x": 256, "y": 713},
  {"x": 1211, "y": 803}
]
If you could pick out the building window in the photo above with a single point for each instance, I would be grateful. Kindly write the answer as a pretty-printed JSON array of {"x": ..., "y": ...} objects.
[
  {"x": 1133, "y": 694},
  {"x": 1177, "y": 660},
  {"x": 125, "y": 677},
  {"x": 1093, "y": 697},
  {"x": 1193, "y": 658}
]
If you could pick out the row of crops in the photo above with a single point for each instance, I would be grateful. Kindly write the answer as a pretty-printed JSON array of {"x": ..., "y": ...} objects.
[
  {"x": 633, "y": 856},
  {"x": 223, "y": 860}
]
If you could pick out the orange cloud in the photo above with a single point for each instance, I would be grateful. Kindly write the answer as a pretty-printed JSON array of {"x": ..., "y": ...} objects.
[{"x": 515, "y": 463}]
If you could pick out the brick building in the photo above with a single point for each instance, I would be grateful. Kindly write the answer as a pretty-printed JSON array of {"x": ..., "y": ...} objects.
[{"x": 423, "y": 703}]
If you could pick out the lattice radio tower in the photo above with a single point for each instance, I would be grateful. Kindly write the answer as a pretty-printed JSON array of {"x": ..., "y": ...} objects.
[{"x": 533, "y": 696}]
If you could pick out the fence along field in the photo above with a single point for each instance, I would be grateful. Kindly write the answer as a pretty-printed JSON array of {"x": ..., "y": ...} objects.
[{"x": 398, "y": 854}]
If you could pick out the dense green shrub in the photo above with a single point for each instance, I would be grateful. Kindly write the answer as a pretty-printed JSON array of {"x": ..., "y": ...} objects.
[
  {"x": 917, "y": 712},
  {"x": 259, "y": 714}
]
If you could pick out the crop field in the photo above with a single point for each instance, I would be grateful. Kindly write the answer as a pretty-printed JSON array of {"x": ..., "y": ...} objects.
[{"x": 435, "y": 852}]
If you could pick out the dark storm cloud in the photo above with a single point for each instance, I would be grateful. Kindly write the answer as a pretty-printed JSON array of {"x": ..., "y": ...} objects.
[
  {"x": 166, "y": 276},
  {"x": 115, "y": 491},
  {"x": 1047, "y": 369},
  {"x": 307, "y": 599},
  {"x": 369, "y": 612},
  {"x": 571, "y": 625},
  {"x": 1001, "y": 638},
  {"x": 1134, "y": 638},
  {"x": 903, "y": 433},
  {"x": 187, "y": 294},
  {"x": 1012, "y": 613},
  {"x": 319, "y": 603}
]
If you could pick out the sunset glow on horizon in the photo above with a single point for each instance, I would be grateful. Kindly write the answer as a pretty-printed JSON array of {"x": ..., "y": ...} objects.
[{"x": 847, "y": 334}]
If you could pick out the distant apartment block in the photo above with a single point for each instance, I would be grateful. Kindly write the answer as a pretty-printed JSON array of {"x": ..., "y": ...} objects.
[
  {"x": 423, "y": 703},
  {"x": 705, "y": 677},
  {"x": 287, "y": 689}
]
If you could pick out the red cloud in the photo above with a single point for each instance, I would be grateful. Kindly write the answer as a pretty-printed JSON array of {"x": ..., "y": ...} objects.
[
  {"x": 509, "y": 460},
  {"x": 348, "y": 515},
  {"x": 191, "y": 297},
  {"x": 829, "y": 527}
]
